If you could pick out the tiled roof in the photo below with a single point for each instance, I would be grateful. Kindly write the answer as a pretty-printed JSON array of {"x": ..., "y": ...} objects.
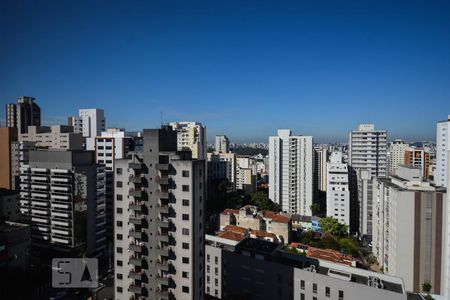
[
  {"x": 231, "y": 235},
  {"x": 236, "y": 229},
  {"x": 325, "y": 254},
  {"x": 276, "y": 217}
]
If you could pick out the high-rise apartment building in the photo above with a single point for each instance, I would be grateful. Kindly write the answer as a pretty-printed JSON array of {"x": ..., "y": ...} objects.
[
  {"x": 63, "y": 194},
  {"x": 419, "y": 158},
  {"x": 246, "y": 173},
  {"x": 53, "y": 137},
  {"x": 89, "y": 122},
  {"x": 222, "y": 144},
  {"x": 223, "y": 162},
  {"x": 191, "y": 136},
  {"x": 159, "y": 229},
  {"x": 409, "y": 228},
  {"x": 442, "y": 148},
  {"x": 367, "y": 158},
  {"x": 291, "y": 172},
  {"x": 338, "y": 194},
  {"x": 23, "y": 114},
  {"x": 7, "y": 137},
  {"x": 446, "y": 242},
  {"x": 396, "y": 155},
  {"x": 320, "y": 168}
]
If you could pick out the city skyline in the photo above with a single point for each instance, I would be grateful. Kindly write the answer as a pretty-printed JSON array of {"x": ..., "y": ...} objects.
[{"x": 241, "y": 71}]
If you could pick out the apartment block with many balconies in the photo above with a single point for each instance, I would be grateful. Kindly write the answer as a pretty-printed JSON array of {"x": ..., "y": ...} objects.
[
  {"x": 63, "y": 194},
  {"x": 159, "y": 246}
]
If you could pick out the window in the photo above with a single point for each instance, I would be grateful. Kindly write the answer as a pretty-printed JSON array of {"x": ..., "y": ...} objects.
[
  {"x": 315, "y": 288},
  {"x": 327, "y": 291},
  {"x": 119, "y": 223},
  {"x": 119, "y": 237},
  {"x": 119, "y": 197},
  {"x": 185, "y": 217},
  {"x": 185, "y": 274},
  {"x": 216, "y": 260},
  {"x": 185, "y": 173},
  {"x": 119, "y": 276},
  {"x": 185, "y": 289},
  {"x": 119, "y": 171},
  {"x": 119, "y": 184},
  {"x": 185, "y": 188},
  {"x": 119, "y": 263},
  {"x": 207, "y": 269},
  {"x": 185, "y": 202},
  {"x": 185, "y": 245},
  {"x": 119, "y": 210},
  {"x": 119, "y": 250},
  {"x": 302, "y": 296},
  {"x": 302, "y": 284},
  {"x": 185, "y": 260},
  {"x": 216, "y": 282},
  {"x": 185, "y": 231},
  {"x": 341, "y": 295},
  {"x": 119, "y": 289},
  {"x": 207, "y": 257}
]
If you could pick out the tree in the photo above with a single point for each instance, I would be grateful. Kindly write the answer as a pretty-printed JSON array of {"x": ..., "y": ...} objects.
[
  {"x": 315, "y": 208},
  {"x": 426, "y": 287},
  {"x": 332, "y": 226},
  {"x": 261, "y": 200}
]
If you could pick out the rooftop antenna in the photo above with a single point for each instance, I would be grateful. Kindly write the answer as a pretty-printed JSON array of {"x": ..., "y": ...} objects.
[{"x": 161, "y": 118}]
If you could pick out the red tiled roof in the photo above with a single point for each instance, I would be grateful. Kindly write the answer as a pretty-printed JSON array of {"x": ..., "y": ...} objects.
[
  {"x": 231, "y": 235},
  {"x": 276, "y": 217},
  {"x": 325, "y": 254},
  {"x": 236, "y": 229},
  {"x": 262, "y": 233}
]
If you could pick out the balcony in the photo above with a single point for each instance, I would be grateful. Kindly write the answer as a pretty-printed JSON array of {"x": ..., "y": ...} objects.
[
  {"x": 136, "y": 247},
  {"x": 135, "y": 166},
  {"x": 162, "y": 237},
  {"x": 136, "y": 275},
  {"x": 136, "y": 220},
  {"x": 163, "y": 209},
  {"x": 135, "y": 179},
  {"x": 161, "y": 279},
  {"x": 163, "y": 223},
  {"x": 136, "y": 261},
  {"x": 162, "y": 180},
  {"x": 136, "y": 234},
  {"x": 162, "y": 265},
  {"x": 137, "y": 289},
  {"x": 162, "y": 167},
  {"x": 136, "y": 206},
  {"x": 136, "y": 192},
  {"x": 162, "y": 294},
  {"x": 163, "y": 251},
  {"x": 163, "y": 195}
]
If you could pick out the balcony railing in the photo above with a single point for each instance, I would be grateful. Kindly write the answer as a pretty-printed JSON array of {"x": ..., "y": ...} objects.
[
  {"x": 136, "y": 206},
  {"x": 135, "y": 166}
]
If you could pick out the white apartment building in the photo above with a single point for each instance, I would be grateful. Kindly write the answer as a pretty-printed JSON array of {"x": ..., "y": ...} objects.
[
  {"x": 396, "y": 155},
  {"x": 159, "y": 230},
  {"x": 409, "y": 229},
  {"x": 63, "y": 192},
  {"x": 442, "y": 148},
  {"x": 446, "y": 242},
  {"x": 229, "y": 159},
  {"x": 367, "y": 155},
  {"x": 191, "y": 136},
  {"x": 89, "y": 122},
  {"x": 246, "y": 173},
  {"x": 338, "y": 194},
  {"x": 222, "y": 144},
  {"x": 53, "y": 137},
  {"x": 291, "y": 171}
]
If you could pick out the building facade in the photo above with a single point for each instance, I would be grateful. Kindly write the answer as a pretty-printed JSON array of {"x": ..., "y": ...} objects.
[
  {"x": 191, "y": 136},
  {"x": 246, "y": 173},
  {"x": 63, "y": 194},
  {"x": 367, "y": 158},
  {"x": 408, "y": 228},
  {"x": 7, "y": 137},
  {"x": 23, "y": 114},
  {"x": 291, "y": 172},
  {"x": 89, "y": 122},
  {"x": 396, "y": 154},
  {"x": 442, "y": 148},
  {"x": 320, "y": 168},
  {"x": 53, "y": 137},
  {"x": 420, "y": 158},
  {"x": 338, "y": 194},
  {"x": 222, "y": 144},
  {"x": 159, "y": 242}
]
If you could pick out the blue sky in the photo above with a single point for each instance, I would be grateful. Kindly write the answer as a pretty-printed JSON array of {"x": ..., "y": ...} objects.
[{"x": 243, "y": 68}]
